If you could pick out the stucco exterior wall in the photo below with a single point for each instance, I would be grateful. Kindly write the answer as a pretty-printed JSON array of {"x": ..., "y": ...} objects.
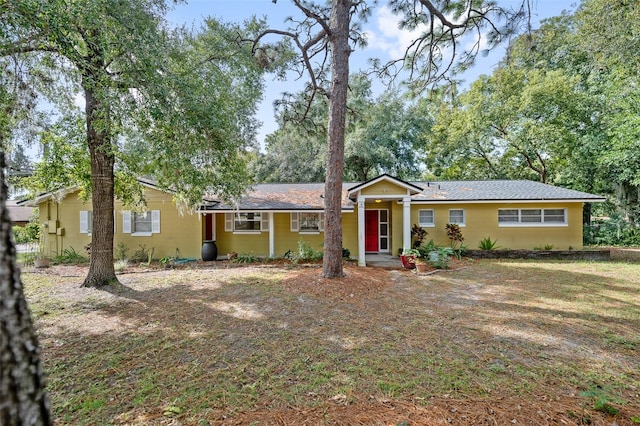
[
  {"x": 384, "y": 188},
  {"x": 240, "y": 242},
  {"x": 181, "y": 233},
  {"x": 350, "y": 232},
  {"x": 185, "y": 233},
  {"x": 284, "y": 239},
  {"x": 481, "y": 221}
]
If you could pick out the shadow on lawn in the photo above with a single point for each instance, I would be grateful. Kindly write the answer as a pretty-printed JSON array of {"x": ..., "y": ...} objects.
[
  {"x": 211, "y": 345},
  {"x": 548, "y": 314}
]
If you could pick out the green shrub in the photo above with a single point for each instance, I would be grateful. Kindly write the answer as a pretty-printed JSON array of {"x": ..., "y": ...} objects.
[
  {"x": 30, "y": 233},
  {"x": 487, "y": 244},
  {"x": 245, "y": 258},
  {"x": 143, "y": 254},
  {"x": 121, "y": 251},
  {"x": 425, "y": 248},
  {"x": 69, "y": 257},
  {"x": 612, "y": 232},
  {"x": 120, "y": 265},
  {"x": 346, "y": 253},
  {"x": 439, "y": 258},
  {"x": 306, "y": 252}
]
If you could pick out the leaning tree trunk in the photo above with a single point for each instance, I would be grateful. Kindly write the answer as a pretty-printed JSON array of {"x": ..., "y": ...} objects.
[
  {"x": 101, "y": 270},
  {"x": 23, "y": 400},
  {"x": 340, "y": 51}
]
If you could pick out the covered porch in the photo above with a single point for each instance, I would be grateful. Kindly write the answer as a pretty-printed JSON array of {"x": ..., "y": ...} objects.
[{"x": 383, "y": 207}]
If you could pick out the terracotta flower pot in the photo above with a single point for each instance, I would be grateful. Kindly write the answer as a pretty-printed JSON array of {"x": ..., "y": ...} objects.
[
  {"x": 41, "y": 262},
  {"x": 421, "y": 267}
]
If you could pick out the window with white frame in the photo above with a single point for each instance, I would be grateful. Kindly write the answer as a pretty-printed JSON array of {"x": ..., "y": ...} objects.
[
  {"x": 86, "y": 221},
  {"x": 246, "y": 222},
  {"x": 426, "y": 218},
  {"x": 532, "y": 217},
  {"x": 141, "y": 223},
  {"x": 457, "y": 216},
  {"x": 307, "y": 222}
]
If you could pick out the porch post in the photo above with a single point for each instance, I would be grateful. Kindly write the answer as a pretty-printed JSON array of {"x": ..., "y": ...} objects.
[
  {"x": 213, "y": 226},
  {"x": 406, "y": 223},
  {"x": 361, "y": 254},
  {"x": 272, "y": 239}
]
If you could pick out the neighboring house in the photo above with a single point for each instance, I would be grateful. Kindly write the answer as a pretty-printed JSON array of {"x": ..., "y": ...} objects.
[
  {"x": 377, "y": 217},
  {"x": 19, "y": 214}
]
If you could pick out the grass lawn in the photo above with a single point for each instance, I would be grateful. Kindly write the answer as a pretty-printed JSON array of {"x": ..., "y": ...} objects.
[{"x": 495, "y": 342}]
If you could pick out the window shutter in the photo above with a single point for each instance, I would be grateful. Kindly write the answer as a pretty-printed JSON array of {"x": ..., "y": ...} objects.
[
  {"x": 155, "y": 221},
  {"x": 84, "y": 222},
  {"x": 321, "y": 222},
  {"x": 126, "y": 222},
  {"x": 295, "y": 222},
  {"x": 228, "y": 222},
  {"x": 264, "y": 224}
]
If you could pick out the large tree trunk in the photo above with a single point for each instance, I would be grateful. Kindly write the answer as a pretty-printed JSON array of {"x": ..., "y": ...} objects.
[
  {"x": 23, "y": 400},
  {"x": 340, "y": 51},
  {"x": 101, "y": 270}
]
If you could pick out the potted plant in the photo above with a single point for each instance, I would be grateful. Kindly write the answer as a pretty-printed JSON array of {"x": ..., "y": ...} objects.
[
  {"x": 421, "y": 264},
  {"x": 422, "y": 259},
  {"x": 408, "y": 258},
  {"x": 41, "y": 261}
]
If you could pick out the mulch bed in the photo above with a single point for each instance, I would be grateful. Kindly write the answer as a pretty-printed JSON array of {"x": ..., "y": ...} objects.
[{"x": 495, "y": 411}]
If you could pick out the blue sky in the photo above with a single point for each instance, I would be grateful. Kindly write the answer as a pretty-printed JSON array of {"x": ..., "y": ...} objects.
[{"x": 385, "y": 40}]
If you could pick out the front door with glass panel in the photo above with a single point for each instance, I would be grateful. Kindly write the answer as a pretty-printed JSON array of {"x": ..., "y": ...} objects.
[{"x": 376, "y": 229}]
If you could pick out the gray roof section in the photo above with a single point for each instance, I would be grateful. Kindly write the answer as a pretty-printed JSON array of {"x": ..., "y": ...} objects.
[
  {"x": 310, "y": 196},
  {"x": 19, "y": 213},
  {"x": 498, "y": 190},
  {"x": 284, "y": 196}
]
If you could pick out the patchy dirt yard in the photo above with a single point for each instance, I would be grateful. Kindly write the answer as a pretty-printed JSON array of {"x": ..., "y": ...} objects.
[{"x": 490, "y": 342}]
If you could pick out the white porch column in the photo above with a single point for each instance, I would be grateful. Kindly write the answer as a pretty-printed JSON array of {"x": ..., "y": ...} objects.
[
  {"x": 272, "y": 238},
  {"x": 213, "y": 226},
  {"x": 361, "y": 253},
  {"x": 406, "y": 223}
]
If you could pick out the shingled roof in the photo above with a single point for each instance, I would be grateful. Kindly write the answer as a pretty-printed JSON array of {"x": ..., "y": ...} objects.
[
  {"x": 498, "y": 190},
  {"x": 284, "y": 196},
  {"x": 310, "y": 196}
]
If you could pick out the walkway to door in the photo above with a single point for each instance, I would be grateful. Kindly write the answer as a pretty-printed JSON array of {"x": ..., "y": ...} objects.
[{"x": 383, "y": 260}]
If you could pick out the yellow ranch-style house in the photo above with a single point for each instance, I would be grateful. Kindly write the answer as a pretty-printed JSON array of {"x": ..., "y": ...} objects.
[{"x": 377, "y": 216}]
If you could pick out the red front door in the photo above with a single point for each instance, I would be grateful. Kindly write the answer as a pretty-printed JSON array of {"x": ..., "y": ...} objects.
[{"x": 371, "y": 229}]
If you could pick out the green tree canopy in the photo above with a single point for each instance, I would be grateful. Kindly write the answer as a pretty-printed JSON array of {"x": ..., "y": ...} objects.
[{"x": 168, "y": 102}]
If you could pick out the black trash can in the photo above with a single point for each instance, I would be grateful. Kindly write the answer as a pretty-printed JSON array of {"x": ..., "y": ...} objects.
[{"x": 209, "y": 250}]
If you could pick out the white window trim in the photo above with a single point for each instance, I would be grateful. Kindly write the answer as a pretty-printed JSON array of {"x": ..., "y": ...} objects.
[
  {"x": 86, "y": 218},
  {"x": 520, "y": 224},
  {"x": 464, "y": 218},
  {"x": 427, "y": 224},
  {"x": 230, "y": 223},
  {"x": 127, "y": 224},
  {"x": 294, "y": 222}
]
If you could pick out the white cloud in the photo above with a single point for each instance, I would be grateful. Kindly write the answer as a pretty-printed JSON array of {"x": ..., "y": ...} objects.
[{"x": 387, "y": 35}]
